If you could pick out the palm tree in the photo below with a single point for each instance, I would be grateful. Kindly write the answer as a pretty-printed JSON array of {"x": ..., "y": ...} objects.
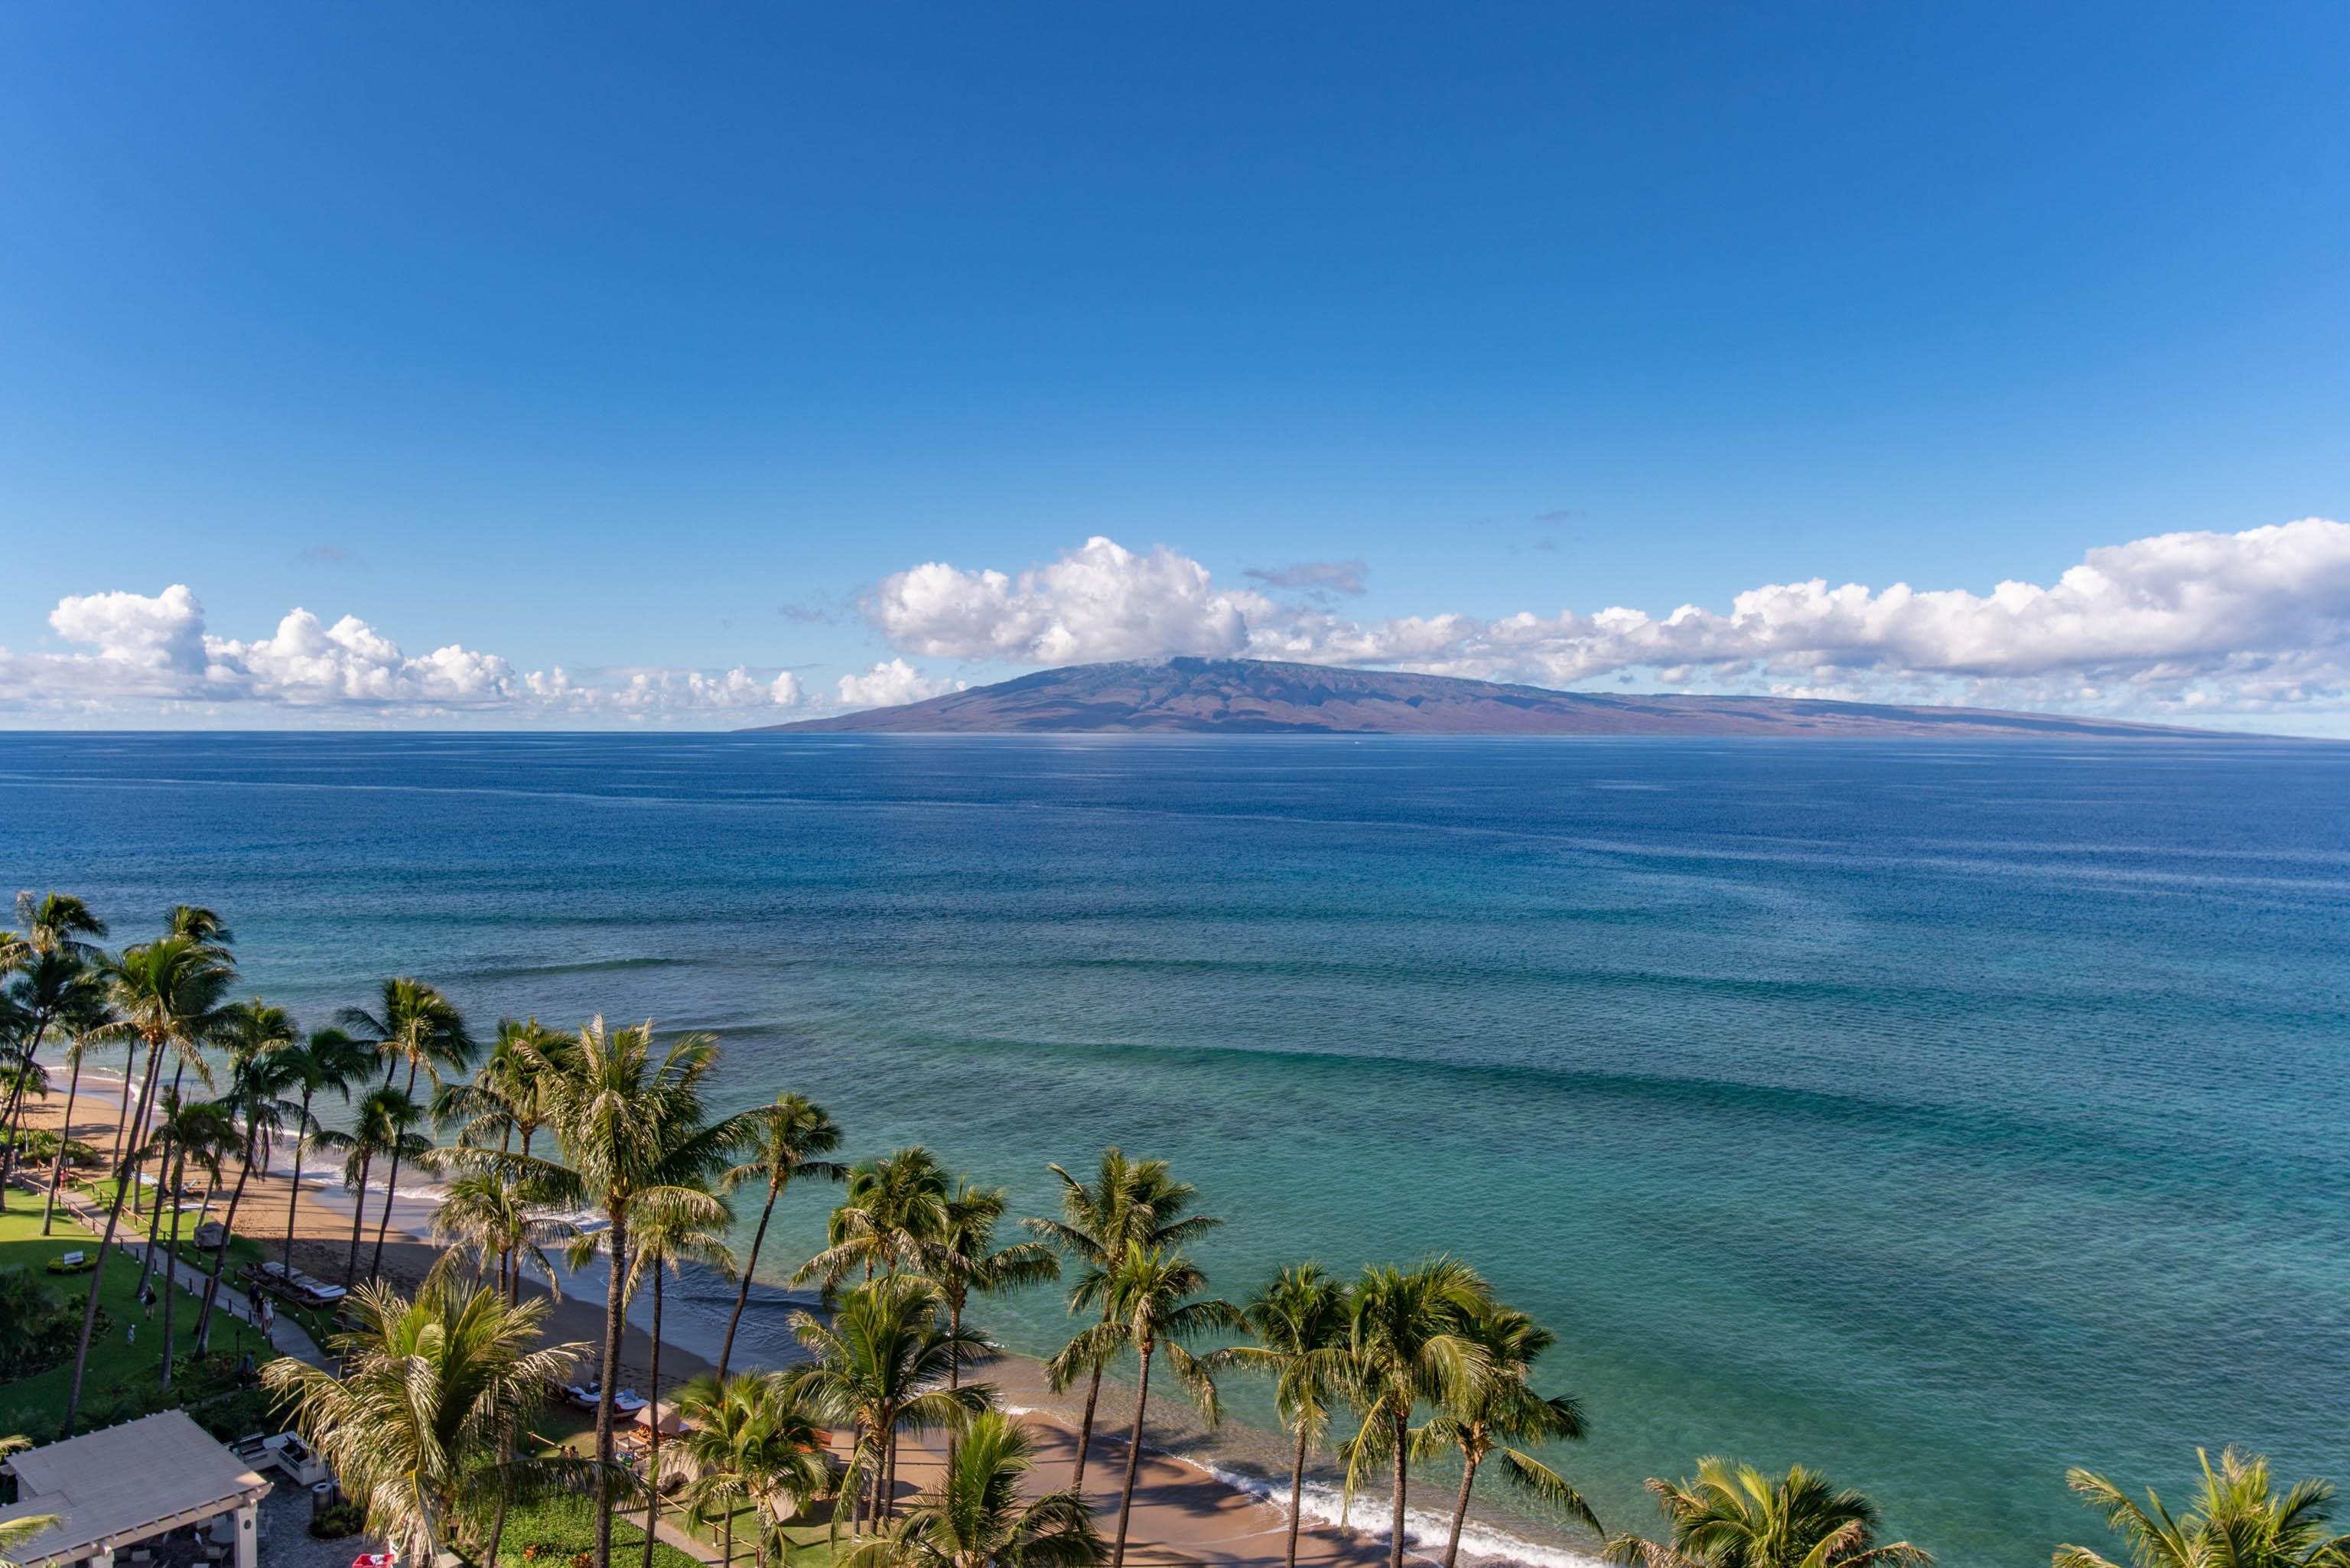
[
  {"x": 746, "y": 1439},
  {"x": 675, "y": 1227},
  {"x": 893, "y": 1209},
  {"x": 1129, "y": 1203},
  {"x": 506, "y": 1098},
  {"x": 59, "y": 976},
  {"x": 1298, "y": 1321},
  {"x": 329, "y": 1060},
  {"x": 58, "y": 922},
  {"x": 1499, "y": 1410},
  {"x": 416, "y": 1025},
  {"x": 200, "y": 926},
  {"x": 976, "y": 1516},
  {"x": 1148, "y": 1297},
  {"x": 384, "y": 1128},
  {"x": 87, "y": 1023},
  {"x": 965, "y": 1260},
  {"x": 259, "y": 1039},
  {"x": 631, "y": 1126},
  {"x": 200, "y": 1130},
  {"x": 169, "y": 992},
  {"x": 879, "y": 1367},
  {"x": 790, "y": 1134},
  {"x": 13, "y": 1532},
  {"x": 1734, "y": 1516},
  {"x": 2237, "y": 1521},
  {"x": 1409, "y": 1341},
  {"x": 428, "y": 1386},
  {"x": 501, "y": 1226}
]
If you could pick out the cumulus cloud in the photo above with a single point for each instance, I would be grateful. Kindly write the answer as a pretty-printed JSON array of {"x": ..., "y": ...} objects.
[
  {"x": 887, "y": 685},
  {"x": 155, "y": 652},
  {"x": 1099, "y": 601},
  {"x": 2251, "y": 622}
]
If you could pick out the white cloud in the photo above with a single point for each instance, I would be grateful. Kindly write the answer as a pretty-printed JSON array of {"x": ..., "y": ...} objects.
[
  {"x": 163, "y": 634},
  {"x": 887, "y": 685},
  {"x": 154, "y": 654},
  {"x": 2254, "y": 622},
  {"x": 1097, "y": 602}
]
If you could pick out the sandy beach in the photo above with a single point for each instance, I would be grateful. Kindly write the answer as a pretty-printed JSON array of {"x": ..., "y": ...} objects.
[{"x": 1184, "y": 1514}]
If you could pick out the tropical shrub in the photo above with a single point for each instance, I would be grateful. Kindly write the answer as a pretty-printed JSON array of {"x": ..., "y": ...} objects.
[
  {"x": 38, "y": 1328},
  {"x": 338, "y": 1519}
]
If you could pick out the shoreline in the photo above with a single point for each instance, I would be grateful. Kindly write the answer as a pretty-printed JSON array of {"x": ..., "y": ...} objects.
[{"x": 1226, "y": 1506}]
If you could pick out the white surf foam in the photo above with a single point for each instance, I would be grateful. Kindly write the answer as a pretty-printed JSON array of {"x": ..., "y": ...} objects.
[{"x": 1424, "y": 1532}]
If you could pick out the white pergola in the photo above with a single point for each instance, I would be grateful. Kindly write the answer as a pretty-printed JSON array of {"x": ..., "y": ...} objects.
[{"x": 127, "y": 1484}]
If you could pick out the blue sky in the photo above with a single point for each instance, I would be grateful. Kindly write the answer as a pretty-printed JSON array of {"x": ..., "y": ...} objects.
[{"x": 641, "y": 341}]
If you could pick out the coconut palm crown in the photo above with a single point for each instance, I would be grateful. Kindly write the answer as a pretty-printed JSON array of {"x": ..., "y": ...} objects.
[
  {"x": 430, "y": 1388},
  {"x": 1127, "y": 1203},
  {"x": 881, "y": 1367},
  {"x": 2237, "y": 1521},
  {"x": 1493, "y": 1413},
  {"x": 790, "y": 1137},
  {"x": 1732, "y": 1515},
  {"x": 977, "y": 1516}
]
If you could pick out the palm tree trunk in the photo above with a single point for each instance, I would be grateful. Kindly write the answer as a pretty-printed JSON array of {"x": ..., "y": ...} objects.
[
  {"x": 172, "y": 1278},
  {"x": 294, "y": 1194},
  {"x": 1297, "y": 1496},
  {"x": 122, "y": 1118},
  {"x": 8, "y": 1123},
  {"x": 19, "y": 1093},
  {"x": 615, "y": 1323},
  {"x": 64, "y": 1134},
  {"x": 743, "y": 1293},
  {"x": 513, "y": 1257},
  {"x": 391, "y": 1183},
  {"x": 1395, "y": 1511},
  {"x": 730, "y": 1534},
  {"x": 375, "y": 1263},
  {"x": 1085, "y": 1429},
  {"x": 359, "y": 1220},
  {"x": 155, "y": 1216},
  {"x": 97, "y": 1277},
  {"x": 162, "y": 1175},
  {"x": 1461, "y": 1509},
  {"x": 865, "y": 1484},
  {"x": 228, "y": 1225},
  {"x": 1133, "y": 1454},
  {"x": 652, "y": 1451},
  {"x": 498, "y": 1520}
]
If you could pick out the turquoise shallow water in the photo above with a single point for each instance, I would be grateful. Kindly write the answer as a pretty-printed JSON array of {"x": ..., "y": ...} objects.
[{"x": 1937, "y": 1114}]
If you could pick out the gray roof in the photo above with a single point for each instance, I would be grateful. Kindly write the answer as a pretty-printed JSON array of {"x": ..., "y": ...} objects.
[{"x": 125, "y": 1483}]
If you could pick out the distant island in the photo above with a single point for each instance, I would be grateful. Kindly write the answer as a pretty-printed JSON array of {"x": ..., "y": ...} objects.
[{"x": 1250, "y": 696}]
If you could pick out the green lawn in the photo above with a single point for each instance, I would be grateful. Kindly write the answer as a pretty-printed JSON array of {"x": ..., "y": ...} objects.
[
  {"x": 807, "y": 1545},
  {"x": 124, "y": 1377},
  {"x": 244, "y": 1251},
  {"x": 560, "y": 1528}
]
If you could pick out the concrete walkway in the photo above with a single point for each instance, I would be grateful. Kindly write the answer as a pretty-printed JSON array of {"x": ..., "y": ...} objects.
[
  {"x": 287, "y": 1335},
  {"x": 669, "y": 1534}
]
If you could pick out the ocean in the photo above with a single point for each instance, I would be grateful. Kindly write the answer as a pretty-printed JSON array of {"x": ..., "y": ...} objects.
[{"x": 1936, "y": 1115}]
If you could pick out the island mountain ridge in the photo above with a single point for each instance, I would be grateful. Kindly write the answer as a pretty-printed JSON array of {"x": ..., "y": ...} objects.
[{"x": 1249, "y": 696}]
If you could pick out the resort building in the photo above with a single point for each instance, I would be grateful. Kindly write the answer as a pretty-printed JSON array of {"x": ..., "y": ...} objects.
[{"x": 118, "y": 1490}]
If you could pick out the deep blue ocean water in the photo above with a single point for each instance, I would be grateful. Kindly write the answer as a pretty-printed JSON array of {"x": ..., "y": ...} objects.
[{"x": 1937, "y": 1115}]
